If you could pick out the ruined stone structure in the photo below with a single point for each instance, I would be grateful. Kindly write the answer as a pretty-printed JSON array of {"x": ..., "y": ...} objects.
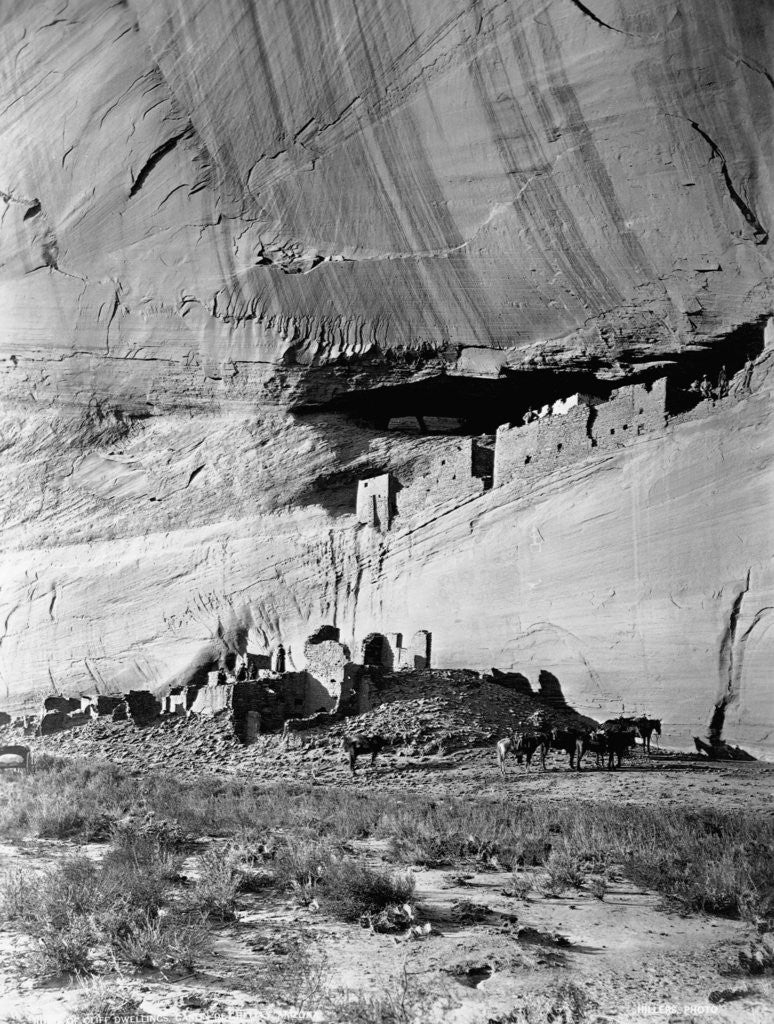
[
  {"x": 388, "y": 651},
  {"x": 143, "y": 706},
  {"x": 62, "y": 704},
  {"x": 99, "y": 704},
  {"x": 444, "y": 474},
  {"x": 326, "y": 666},
  {"x": 576, "y": 429},
  {"x": 375, "y": 501},
  {"x": 561, "y": 434}
]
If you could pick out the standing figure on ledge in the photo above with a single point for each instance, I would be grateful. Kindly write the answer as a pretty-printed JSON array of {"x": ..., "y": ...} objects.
[
  {"x": 722, "y": 388},
  {"x": 749, "y": 366}
]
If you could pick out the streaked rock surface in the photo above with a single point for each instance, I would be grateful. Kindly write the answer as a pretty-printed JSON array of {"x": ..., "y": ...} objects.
[{"x": 213, "y": 213}]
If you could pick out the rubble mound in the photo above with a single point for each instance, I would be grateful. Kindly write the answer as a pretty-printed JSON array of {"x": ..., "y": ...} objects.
[
  {"x": 420, "y": 713},
  {"x": 442, "y": 710}
]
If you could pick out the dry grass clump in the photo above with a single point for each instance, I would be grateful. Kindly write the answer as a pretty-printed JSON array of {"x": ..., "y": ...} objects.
[
  {"x": 101, "y": 1000},
  {"x": 351, "y": 890},
  {"x": 567, "y": 1004},
  {"x": 215, "y": 891},
  {"x": 562, "y": 872},
  {"x": 342, "y": 886}
]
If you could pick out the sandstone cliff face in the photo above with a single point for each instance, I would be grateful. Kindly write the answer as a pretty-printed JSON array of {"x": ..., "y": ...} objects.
[
  {"x": 200, "y": 198},
  {"x": 213, "y": 214}
]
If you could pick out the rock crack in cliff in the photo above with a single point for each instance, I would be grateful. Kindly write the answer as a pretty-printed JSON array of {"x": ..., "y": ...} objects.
[
  {"x": 590, "y": 14},
  {"x": 156, "y": 156},
  {"x": 761, "y": 234}
]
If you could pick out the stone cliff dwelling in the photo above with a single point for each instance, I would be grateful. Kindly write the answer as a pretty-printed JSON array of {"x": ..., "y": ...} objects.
[
  {"x": 557, "y": 434},
  {"x": 255, "y": 689}
]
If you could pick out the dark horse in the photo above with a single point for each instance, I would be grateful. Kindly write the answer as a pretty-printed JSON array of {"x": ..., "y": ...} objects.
[
  {"x": 354, "y": 746},
  {"x": 620, "y": 736},
  {"x": 646, "y": 727},
  {"x": 572, "y": 742}
]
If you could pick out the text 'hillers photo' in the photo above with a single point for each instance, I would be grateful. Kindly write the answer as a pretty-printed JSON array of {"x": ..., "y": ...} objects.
[{"x": 387, "y": 504}]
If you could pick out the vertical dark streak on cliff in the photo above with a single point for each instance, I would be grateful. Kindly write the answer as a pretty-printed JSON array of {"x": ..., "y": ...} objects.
[
  {"x": 761, "y": 234},
  {"x": 726, "y": 665}
]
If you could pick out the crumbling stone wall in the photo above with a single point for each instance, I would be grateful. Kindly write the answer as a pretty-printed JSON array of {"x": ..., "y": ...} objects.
[
  {"x": 631, "y": 411},
  {"x": 443, "y": 474},
  {"x": 213, "y": 697},
  {"x": 63, "y": 704},
  {"x": 56, "y": 721},
  {"x": 143, "y": 706},
  {"x": 389, "y": 652},
  {"x": 175, "y": 702},
  {"x": 541, "y": 446},
  {"x": 376, "y": 501},
  {"x": 525, "y": 452},
  {"x": 326, "y": 663}
]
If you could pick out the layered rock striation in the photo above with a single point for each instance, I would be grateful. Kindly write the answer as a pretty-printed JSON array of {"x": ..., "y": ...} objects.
[{"x": 219, "y": 219}]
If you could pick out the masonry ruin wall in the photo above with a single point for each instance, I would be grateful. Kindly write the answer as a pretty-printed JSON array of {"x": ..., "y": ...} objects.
[{"x": 529, "y": 451}]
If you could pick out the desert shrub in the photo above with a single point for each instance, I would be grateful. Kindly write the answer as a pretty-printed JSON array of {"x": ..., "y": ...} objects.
[
  {"x": 65, "y": 799},
  {"x": 78, "y": 907},
  {"x": 519, "y": 886},
  {"x": 409, "y": 1001},
  {"x": 715, "y": 879},
  {"x": 302, "y": 864},
  {"x": 128, "y": 892},
  {"x": 561, "y": 873},
  {"x": 103, "y": 1000},
  {"x": 598, "y": 886},
  {"x": 64, "y": 948},
  {"x": 174, "y": 940},
  {"x": 349, "y": 889},
  {"x": 18, "y": 892},
  {"x": 298, "y": 978},
  {"x": 56, "y": 909},
  {"x": 148, "y": 837},
  {"x": 215, "y": 890},
  {"x": 708, "y": 860}
]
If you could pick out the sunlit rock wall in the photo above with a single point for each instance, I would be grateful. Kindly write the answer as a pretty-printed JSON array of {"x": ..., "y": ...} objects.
[{"x": 211, "y": 212}]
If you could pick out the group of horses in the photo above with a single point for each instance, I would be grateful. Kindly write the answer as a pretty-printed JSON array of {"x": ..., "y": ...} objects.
[{"x": 612, "y": 740}]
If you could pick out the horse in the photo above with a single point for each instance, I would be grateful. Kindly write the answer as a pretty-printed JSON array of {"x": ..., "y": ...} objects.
[
  {"x": 354, "y": 746},
  {"x": 22, "y": 758},
  {"x": 523, "y": 745},
  {"x": 646, "y": 727},
  {"x": 594, "y": 742},
  {"x": 504, "y": 746},
  {"x": 571, "y": 741},
  {"x": 618, "y": 743}
]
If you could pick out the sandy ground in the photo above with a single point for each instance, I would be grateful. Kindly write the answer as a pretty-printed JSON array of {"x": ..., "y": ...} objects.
[{"x": 488, "y": 957}]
